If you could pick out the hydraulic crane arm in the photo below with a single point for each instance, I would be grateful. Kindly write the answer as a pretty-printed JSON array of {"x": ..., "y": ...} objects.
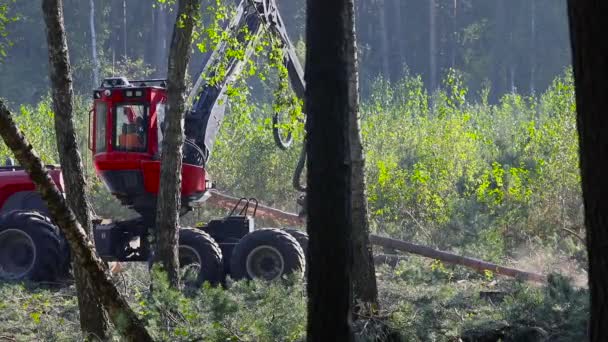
[{"x": 208, "y": 96}]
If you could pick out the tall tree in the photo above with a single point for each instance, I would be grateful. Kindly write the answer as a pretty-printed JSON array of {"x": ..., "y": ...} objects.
[
  {"x": 331, "y": 97},
  {"x": 365, "y": 289},
  {"x": 94, "y": 43},
  {"x": 92, "y": 317},
  {"x": 433, "y": 45},
  {"x": 383, "y": 32},
  {"x": 169, "y": 195},
  {"x": 588, "y": 27},
  {"x": 101, "y": 286},
  {"x": 161, "y": 40}
]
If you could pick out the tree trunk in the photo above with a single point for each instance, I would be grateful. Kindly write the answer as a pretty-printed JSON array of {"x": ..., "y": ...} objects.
[
  {"x": 365, "y": 288},
  {"x": 532, "y": 46},
  {"x": 169, "y": 195},
  {"x": 331, "y": 97},
  {"x": 454, "y": 35},
  {"x": 499, "y": 54},
  {"x": 92, "y": 316},
  {"x": 383, "y": 32},
  {"x": 93, "y": 268},
  {"x": 161, "y": 46},
  {"x": 269, "y": 213},
  {"x": 433, "y": 45},
  {"x": 454, "y": 259},
  {"x": 124, "y": 30},
  {"x": 94, "y": 44},
  {"x": 588, "y": 27},
  {"x": 115, "y": 29}
]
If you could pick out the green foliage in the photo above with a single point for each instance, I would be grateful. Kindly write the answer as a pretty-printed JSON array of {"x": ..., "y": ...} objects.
[
  {"x": 6, "y": 18},
  {"x": 37, "y": 123},
  {"x": 441, "y": 303}
]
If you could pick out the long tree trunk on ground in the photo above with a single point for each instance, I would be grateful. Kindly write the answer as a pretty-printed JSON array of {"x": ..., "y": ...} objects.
[
  {"x": 331, "y": 97},
  {"x": 365, "y": 288},
  {"x": 92, "y": 316},
  {"x": 94, "y": 270},
  {"x": 588, "y": 27},
  {"x": 169, "y": 195}
]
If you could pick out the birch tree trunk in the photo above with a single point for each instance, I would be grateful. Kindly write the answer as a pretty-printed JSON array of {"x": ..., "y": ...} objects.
[
  {"x": 432, "y": 45},
  {"x": 169, "y": 195},
  {"x": 162, "y": 46},
  {"x": 331, "y": 98},
  {"x": 532, "y": 46},
  {"x": 588, "y": 27},
  {"x": 384, "y": 53},
  {"x": 93, "y": 268},
  {"x": 92, "y": 317},
  {"x": 94, "y": 44}
]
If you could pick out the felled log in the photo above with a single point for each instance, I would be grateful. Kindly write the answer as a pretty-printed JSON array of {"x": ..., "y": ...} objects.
[
  {"x": 224, "y": 201},
  {"x": 450, "y": 258},
  {"x": 228, "y": 202}
]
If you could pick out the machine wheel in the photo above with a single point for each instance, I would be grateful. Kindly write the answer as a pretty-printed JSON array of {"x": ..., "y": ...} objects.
[
  {"x": 31, "y": 248},
  {"x": 266, "y": 254},
  {"x": 200, "y": 258},
  {"x": 301, "y": 237}
]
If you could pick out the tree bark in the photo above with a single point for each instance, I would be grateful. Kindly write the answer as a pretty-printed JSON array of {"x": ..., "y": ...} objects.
[
  {"x": 588, "y": 27},
  {"x": 169, "y": 195},
  {"x": 92, "y": 317},
  {"x": 365, "y": 288},
  {"x": 83, "y": 252},
  {"x": 331, "y": 97}
]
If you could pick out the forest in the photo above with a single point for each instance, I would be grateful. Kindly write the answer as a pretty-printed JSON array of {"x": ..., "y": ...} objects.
[{"x": 462, "y": 127}]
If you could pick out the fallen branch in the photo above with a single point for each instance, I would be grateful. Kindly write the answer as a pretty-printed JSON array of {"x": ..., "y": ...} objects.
[{"x": 228, "y": 202}]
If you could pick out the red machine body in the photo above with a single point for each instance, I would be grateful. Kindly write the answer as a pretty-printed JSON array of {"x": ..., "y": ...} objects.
[
  {"x": 17, "y": 191},
  {"x": 125, "y": 139}
]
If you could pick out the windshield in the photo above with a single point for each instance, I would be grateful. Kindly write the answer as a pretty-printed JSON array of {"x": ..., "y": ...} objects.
[{"x": 130, "y": 127}]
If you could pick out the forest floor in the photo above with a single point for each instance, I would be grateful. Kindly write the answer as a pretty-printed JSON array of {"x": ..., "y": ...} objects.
[{"x": 421, "y": 300}]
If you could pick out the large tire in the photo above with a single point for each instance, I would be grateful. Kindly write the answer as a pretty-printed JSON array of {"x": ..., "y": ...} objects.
[
  {"x": 198, "y": 248},
  {"x": 31, "y": 248},
  {"x": 266, "y": 254},
  {"x": 301, "y": 237}
]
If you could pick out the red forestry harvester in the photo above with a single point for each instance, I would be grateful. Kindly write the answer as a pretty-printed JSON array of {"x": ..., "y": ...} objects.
[{"x": 126, "y": 140}]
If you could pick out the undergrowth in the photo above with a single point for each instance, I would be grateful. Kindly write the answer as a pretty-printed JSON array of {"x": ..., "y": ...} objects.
[{"x": 421, "y": 300}]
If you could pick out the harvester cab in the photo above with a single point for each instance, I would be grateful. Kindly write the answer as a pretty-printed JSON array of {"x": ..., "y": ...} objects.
[{"x": 126, "y": 141}]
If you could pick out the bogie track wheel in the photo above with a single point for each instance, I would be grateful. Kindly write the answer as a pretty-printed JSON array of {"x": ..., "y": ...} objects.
[
  {"x": 266, "y": 254},
  {"x": 200, "y": 258},
  {"x": 31, "y": 248}
]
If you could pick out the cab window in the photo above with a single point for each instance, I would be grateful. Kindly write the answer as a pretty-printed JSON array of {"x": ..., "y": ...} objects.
[
  {"x": 130, "y": 127},
  {"x": 101, "y": 112}
]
